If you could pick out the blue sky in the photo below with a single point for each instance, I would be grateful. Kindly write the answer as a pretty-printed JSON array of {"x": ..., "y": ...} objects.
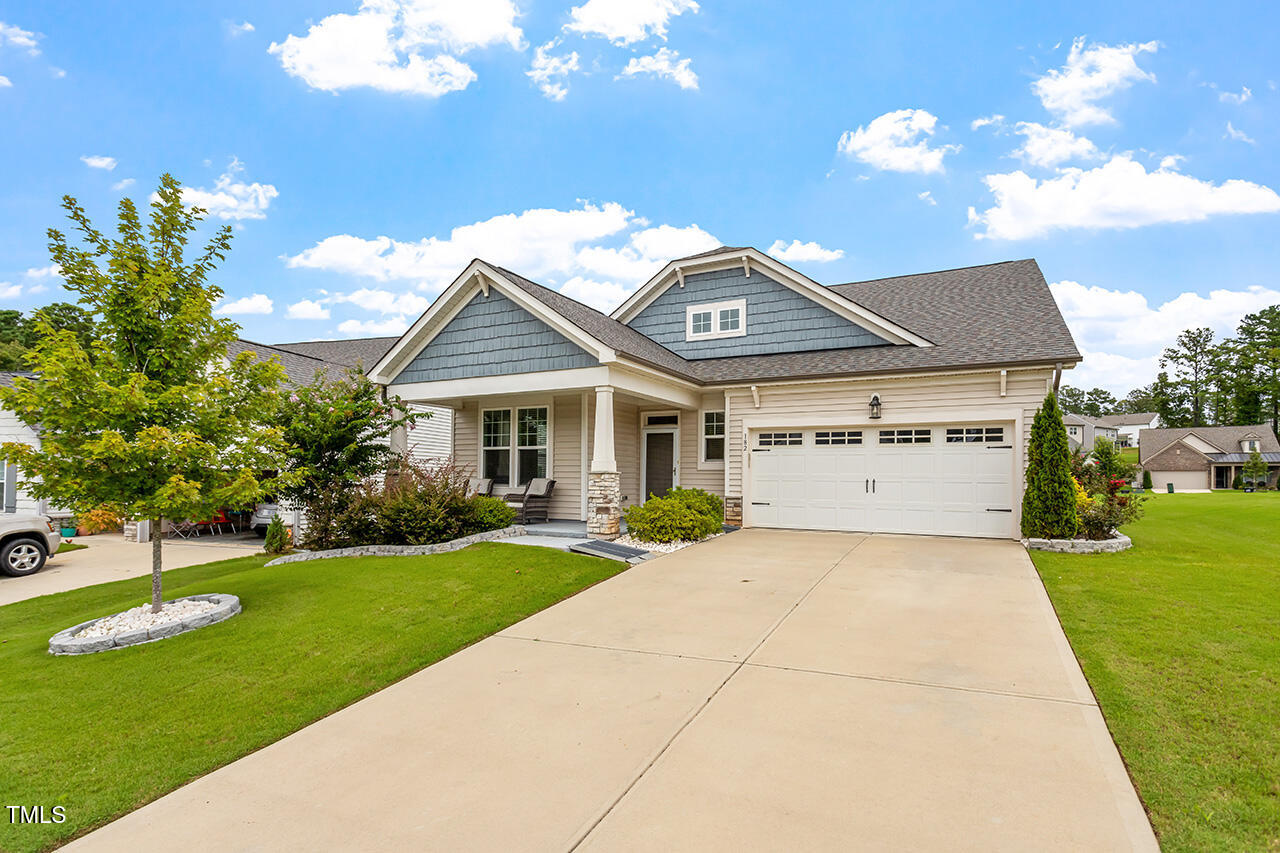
[{"x": 365, "y": 153}]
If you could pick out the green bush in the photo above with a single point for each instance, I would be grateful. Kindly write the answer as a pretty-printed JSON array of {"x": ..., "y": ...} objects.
[
  {"x": 489, "y": 513},
  {"x": 1238, "y": 482},
  {"x": 1049, "y": 500},
  {"x": 1146, "y": 480},
  {"x": 683, "y": 515},
  {"x": 1106, "y": 512},
  {"x": 277, "y": 539}
]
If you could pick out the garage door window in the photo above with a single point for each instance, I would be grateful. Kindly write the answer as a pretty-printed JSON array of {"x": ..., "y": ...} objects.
[
  {"x": 906, "y": 436},
  {"x": 781, "y": 439},
  {"x": 835, "y": 437},
  {"x": 969, "y": 435}
]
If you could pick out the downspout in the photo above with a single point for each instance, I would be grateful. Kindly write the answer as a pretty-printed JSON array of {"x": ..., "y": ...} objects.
[{"x": 1057, "y": 377}]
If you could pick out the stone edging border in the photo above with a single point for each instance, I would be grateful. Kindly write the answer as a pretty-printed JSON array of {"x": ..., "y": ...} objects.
[
  {"x": 65, "y": 643},
  {"x": 401, "y": 550},
  {"x": 1119, "y": 542}
]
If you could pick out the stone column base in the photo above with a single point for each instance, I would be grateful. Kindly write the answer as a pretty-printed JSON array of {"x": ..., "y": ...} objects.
[
  {"x": 604, "y": 505},
  {"x": 733, "y": 511}
]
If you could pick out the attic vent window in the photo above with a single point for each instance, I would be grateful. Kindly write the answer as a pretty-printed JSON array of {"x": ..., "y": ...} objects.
[{"x": 714, "y": 320}]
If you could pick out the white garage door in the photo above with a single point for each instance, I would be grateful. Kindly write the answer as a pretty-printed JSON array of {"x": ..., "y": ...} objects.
[{"x": 954, "y": 480}]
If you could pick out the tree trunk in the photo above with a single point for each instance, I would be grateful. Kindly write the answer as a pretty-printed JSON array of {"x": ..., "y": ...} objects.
[{"x": 156, "y": 600}]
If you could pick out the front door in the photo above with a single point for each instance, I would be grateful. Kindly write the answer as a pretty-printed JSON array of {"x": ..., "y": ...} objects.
[{"x": 659, "y": 463}]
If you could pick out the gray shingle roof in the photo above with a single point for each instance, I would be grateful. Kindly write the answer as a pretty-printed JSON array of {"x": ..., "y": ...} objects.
[
  {"x": 7, "y": 376},
  {"x": 299, "y": 369},
  {"x": 1240, "y": 458},
  {"x": 985, "y": 316},
  {"x": 711, "y": 252},
  {"x": 1084, "y": 420},
  {"x": 351, "y": 352},
  {"x": 1135, "y": 419},
  {"x": 1225, "y": 438}
]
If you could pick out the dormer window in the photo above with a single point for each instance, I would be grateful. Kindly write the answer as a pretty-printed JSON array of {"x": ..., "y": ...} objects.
[
  {"x": 716, "y": 320},
  {"x": 1249, "y": 445}
]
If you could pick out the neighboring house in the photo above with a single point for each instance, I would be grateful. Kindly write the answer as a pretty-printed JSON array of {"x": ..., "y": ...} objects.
[
  {"x": 16, "y": 498},
  {"x": 899, "y": 405},
  {"x": 1199, "y": 458},
  {"x": 1128, "y": 426},
  {"x": 1083, "y": 430}
]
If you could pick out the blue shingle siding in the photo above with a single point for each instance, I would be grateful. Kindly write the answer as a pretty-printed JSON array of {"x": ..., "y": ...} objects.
[
  {"x": 493, "y": 336},
  {"x": 778, "y": 318}
]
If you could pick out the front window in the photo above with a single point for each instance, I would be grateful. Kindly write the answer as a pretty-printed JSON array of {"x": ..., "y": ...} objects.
[
  {"x": 496, "y": 444},
  {"x": 730, "y": 319},
  {"x": 531, "y": 438},
  {"x": 701, "y": 323},
  {"x": 713, "y": 434},
  {"x": 727, "y": 319}
]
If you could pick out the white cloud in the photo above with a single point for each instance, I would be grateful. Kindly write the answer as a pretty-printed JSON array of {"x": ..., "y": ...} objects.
[
  {"x": 402, "y": 46},
  {"x": 550, "y": 72},
  {"x": 258, "y": 303},
  {"x": 598, "y": 253},
  {"x": 927, "y": 198},
  {"x": 51, "y": 271},
  {"x": 5, "y": 82},
  {"x": 374, "y": 328},
  {"x": 1171, "y": 161},
  {"x": 231, "y": 198},
  {"x": 123, "y": 184},
  {"x": 995, "y": 119},
  {"x": 1122, "y": 335},
  {"x": 798, "y": 252},
  {"x": 98, "y": 161},
  {"x": 8, "y": 290},
  {"x": 1233, "y": 98},
  {"x": 307, "y": 309},
  {"x": 898, "y": 142},
  {"x": 37, "y": 288},
  {"x": 1049, "y": 146},
  {"x": 625, "y": 22},
  {"x": 1118, "y": 194},
  {"x": 665, "y": 64},
  {"x": 18, "y": 37},
  {"x": 240, "y": 28},
  {"x": 1238, "y": 135},
  {"x": 1091, "y": 74}
]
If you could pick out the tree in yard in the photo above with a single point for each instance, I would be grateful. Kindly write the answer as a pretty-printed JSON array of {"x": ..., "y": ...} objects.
[
  {"x": 339, "y": 429},
  {"x": 152, "y": 420},
  {"x": 1256, "y": 470},
  {"x": 1258, "y": 337},
  {"x": 1049, "y": 499},
  {"x": 1170, "y": 403},
  {"x": 1138, "y": 400},
  {"x": 1108, "y": 460},
  {"x": 1192, "y": 361},
  {"x": 1071, "y": 400},
  {"x": 1099, "y": 402},
  {"x": 18, "y": 333}
]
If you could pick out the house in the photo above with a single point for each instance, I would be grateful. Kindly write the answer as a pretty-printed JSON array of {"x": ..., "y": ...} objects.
[
  {"x": 1199, "y": 458},
  {"x": 1129, "y": 425},
  {"x": 900, "y": 405},
  {"x": 1082, "y": 430},
  {"x": 15, "y": 497}
]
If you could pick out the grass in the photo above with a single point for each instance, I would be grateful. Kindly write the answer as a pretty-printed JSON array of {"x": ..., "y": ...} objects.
[
  {"x": 1129, "y": 454},
  {"x": 1180, "y": 640},
  {"x": 64, "y": 547},
  {"x": 103, "y": 734}
]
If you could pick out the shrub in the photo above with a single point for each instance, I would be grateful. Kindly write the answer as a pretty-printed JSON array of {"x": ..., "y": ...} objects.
[
  {"x": 684, "y": 514},
  {"x": 100, "y": 520},
  {"x": 1106, "y": 512},
  {"x": 489, "y": 513},
  {"x": 1049, "y": 500},
  {"x": 1238, "y": 482},
  {"x": 277, "y": 541},
  {"x": 1146, "y": 480}
]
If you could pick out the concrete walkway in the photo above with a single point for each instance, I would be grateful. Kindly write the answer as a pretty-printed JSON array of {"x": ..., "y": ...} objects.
[
  {"x": 766, "y": 690},
  {"x": 109, "y": 557}
]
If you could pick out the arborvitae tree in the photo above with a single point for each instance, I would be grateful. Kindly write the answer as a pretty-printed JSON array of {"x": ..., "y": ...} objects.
[
  {"x": 1255, "y": 470},
  {"x": 1049, "y": 499},
  {"x": 1146, "y": 480}
]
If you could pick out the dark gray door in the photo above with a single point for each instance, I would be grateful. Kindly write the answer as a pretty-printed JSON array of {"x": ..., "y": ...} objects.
[{"x": 659, "y": 465}]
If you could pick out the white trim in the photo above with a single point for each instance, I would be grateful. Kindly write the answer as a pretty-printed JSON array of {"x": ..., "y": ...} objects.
[
  {"x": 781, "y": 273},
  {"x": 645, "y": 432},
  {"x": 513, "y": 441},
  {"x": 949, "y": 417},
  {"x": 705, "y": 464},
  {"x": 511, "y": 383},
  {"x": 716, "y": 309},
  {"x": 743, "y": 385},
  {"x": 585, "y": 457},
  {"x": 478, "y": 276},
  {"x": 727, "y": 421}
]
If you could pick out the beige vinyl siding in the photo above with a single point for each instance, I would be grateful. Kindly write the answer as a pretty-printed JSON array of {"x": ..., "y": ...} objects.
[
  {"x": 466, "y": 436},
  {"x": 566, "y": 457},
  {"x": 626, "y": 449},
  {"x": 695, "y": 475},
  {"x": 930, "y": 398},
  {"x": 431, "y": 438}
]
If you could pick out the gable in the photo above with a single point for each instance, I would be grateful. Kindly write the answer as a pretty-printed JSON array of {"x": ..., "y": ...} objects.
[
  {"x": 778, "y": 319},
  {"x": 493, "y": 336},
  {"x": 1179, "y": 456}
]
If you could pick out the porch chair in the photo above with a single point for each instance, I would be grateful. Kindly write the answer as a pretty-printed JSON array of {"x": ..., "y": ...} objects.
[
  {"x": 534, "y": 502},
  {"x": 479, "y": 486}
]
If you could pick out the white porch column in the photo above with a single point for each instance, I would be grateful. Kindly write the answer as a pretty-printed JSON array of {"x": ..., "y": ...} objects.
[
  {"x": 604, "y": 484},
  {"x": 602, "y": 457}
]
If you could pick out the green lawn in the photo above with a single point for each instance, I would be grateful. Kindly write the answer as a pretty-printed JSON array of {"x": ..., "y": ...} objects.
[
  {"x": 1180, "y": 640},
  {"x": 64, "y": 547},
  {"x": 1129, "y": 454},
  {"x": 103, "y": 734}
]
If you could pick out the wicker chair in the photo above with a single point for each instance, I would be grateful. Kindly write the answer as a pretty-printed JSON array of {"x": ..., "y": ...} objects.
[
  {"x": 534, "y": 502},
  {"x": 479, "y": 486}
]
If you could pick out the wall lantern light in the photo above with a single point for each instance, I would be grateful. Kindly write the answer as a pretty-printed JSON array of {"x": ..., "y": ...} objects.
[{"x": 875, "y": 406}]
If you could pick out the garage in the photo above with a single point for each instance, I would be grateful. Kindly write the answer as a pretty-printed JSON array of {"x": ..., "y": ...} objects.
[{"x": 952, "y": 480}]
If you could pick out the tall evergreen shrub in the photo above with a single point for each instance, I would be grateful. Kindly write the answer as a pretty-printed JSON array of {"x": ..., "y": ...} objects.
[{"x": 1049, "y": 499}]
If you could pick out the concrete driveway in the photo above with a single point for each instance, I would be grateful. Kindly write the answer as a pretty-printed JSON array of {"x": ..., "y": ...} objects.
[{"x": 766, "y": 690}]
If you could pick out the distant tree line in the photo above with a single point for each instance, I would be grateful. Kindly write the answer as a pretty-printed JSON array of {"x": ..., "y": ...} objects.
[
  {"x": 1203, "y": 382},
  {"x": 19, "y": 333}
]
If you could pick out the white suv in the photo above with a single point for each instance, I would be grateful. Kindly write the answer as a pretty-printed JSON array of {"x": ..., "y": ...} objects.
[{"x": 26, "y": 541}]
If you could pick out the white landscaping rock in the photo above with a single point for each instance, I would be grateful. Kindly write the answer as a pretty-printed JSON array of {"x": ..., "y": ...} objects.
[
  {"x": 140, "y": 625},
  {"x": 142, "y": 617},
  {"x": 659, "y": 547}
]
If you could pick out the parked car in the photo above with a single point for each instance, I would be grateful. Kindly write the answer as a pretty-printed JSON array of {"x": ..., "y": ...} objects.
[
  {"x": 262, "y": 515},
  {"x": 26, "y": 541}
]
